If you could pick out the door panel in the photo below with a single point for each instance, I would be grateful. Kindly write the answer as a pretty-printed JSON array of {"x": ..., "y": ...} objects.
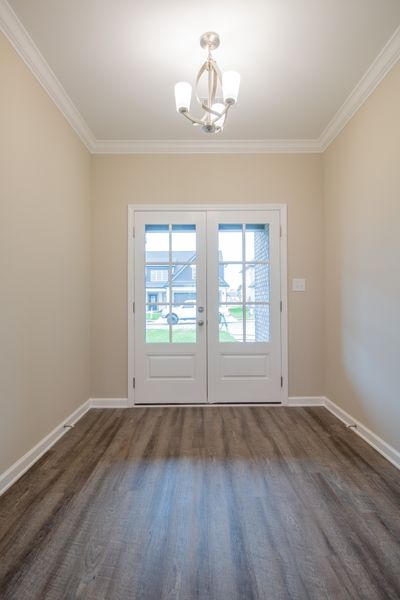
[
  {"x": 242, "y": 366},
  {"x": 170, "y": 343},
  {"x": 244, "y": 353}
]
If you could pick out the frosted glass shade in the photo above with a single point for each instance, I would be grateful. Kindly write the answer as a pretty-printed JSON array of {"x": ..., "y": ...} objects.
[
  {"x": 183, "y": 95},
  {"x": 230, "y": 86}
]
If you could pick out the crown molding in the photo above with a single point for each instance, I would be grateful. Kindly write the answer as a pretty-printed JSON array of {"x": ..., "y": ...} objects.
[
  {"x": 20, "y": 39},
  {"x": 386, "y": 59},
  {"x": 205, "y": 146}
]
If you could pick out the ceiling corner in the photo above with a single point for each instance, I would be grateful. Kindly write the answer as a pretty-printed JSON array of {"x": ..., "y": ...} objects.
[
  {"x": 386, "y": 59},
  {"x": 20, "y": 39}
]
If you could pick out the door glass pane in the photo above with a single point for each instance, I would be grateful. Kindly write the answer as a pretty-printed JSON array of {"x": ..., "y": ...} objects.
[
  {"x": 183, "y": 283},
  {"x": 230, "y": 282},
  {"x": 183, "y": 243},
  {"x": 182, "y": 319},
  {"x": 230, "y": 242},
  {"x": 157, "y": 243},
  {"x": 257, "y": 323},
  {"x": 154, "y": 313},
  {"x": 230, "y": 323},
  {"x": 181, "y": 314},
  {"x": 156, "y": 284},
  {"x": 257, "y": 242},
  {"x": 157, "y": 332},
  {"x": 257, "y": 283},
  {"x": 156, "y": 274}
]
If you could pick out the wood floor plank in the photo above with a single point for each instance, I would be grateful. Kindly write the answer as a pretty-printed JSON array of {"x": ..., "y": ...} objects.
[{"x": 235, "y": 503}]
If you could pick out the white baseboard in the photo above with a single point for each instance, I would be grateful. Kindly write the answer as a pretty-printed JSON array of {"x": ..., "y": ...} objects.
[
  {"x": 109, "y": 403},
  {"x": 390, "y": 453},
  {"x": 306, "y": 401},
  {"x": 28, "y": 460}
]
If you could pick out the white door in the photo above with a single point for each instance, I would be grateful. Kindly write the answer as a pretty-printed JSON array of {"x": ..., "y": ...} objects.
[
  {"x": 207, "y": 307},
  {"x": 244, "y": 308},
  {"x": 170, "y": 301}
]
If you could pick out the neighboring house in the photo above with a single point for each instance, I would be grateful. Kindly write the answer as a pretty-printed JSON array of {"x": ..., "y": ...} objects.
[{"x": 183, "y": 279}]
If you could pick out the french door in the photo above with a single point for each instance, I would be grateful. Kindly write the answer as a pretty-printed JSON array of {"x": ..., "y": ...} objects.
[
  {"x": 171, "y": 341},
  {"x": 207, "y": 307}
]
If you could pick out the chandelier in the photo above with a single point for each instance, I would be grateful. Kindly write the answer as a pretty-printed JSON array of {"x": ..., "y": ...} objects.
[{"x": 215, "y": 106}]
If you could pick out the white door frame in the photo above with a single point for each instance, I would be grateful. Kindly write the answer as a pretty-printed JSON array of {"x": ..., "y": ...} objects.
[{"x": 281, "y": 208}]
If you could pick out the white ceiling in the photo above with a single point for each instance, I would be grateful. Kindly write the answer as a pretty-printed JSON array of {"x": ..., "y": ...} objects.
[{"x": 118, "y": 60}]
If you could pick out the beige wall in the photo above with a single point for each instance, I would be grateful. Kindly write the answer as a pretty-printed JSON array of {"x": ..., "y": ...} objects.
[
  {"x": 120, "y": 180},
  {"x": 362, "y": 233},
  {"x": 44, "y": 262}
]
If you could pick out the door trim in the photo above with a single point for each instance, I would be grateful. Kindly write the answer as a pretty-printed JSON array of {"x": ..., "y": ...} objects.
[{"x": 281, "y": 208}]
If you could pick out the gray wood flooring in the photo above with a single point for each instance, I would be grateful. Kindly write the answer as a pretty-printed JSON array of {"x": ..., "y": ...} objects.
[{"x": 212, "y": 503}]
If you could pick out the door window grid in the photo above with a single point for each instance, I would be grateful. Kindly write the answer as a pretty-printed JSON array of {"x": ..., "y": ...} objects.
[
  {"x": 167, "y": 320},
  {"x": 252, "y": 322}
]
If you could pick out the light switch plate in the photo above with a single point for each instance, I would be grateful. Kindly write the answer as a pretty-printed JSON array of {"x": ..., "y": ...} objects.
[{"x": 298, "y": 285}]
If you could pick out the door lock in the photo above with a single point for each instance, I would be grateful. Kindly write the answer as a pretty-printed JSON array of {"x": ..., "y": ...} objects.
[
  {"x": 201, "y": 309},
  {"x": 200, "y": 323}
]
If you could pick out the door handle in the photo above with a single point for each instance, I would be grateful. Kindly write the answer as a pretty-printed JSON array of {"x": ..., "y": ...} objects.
[{"x": 200, "y": 323}]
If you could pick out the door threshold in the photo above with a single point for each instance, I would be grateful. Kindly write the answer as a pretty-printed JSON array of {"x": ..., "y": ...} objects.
[{"x": 205, "y": 404}]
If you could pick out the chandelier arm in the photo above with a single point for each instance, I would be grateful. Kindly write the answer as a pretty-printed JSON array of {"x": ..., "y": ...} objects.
[
  {"x": 218, "y": 115},
  {"x": 215, "y": 70},
  {"x": 191, "y": 118},
  {"x": 199, "y": 74},
  {"x": 210, "y": 85},
  {"x": 218, "y": 71},
  {"x": 222, "y": 114},
  {"x": 226, "y": 112},
  {"x": 209, "y": 110},
  {"x": 214, "y": 78}
]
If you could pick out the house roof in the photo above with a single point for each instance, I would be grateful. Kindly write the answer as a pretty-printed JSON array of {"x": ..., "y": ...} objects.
[{"x": 162, "y": 256}]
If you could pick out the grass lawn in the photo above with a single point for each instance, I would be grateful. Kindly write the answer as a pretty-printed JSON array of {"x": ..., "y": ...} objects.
[
  {"x": 152, "y": 316},
  {"x": 237, "y": 312},
  {"x": 181, "y": 335},
  {"x": 224, "y": 336}
]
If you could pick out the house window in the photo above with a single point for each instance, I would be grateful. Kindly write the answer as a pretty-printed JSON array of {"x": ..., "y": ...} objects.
[{"x": 159, "y": 275}]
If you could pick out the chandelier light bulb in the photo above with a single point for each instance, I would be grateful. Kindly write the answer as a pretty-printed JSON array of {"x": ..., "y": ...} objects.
[
  {"x": 230, "y": 86},
  {"x": 183, "y": 95}
]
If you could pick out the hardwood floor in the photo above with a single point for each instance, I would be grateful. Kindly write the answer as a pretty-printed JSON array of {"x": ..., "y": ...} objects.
[{"x": 210, "y": 503}]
